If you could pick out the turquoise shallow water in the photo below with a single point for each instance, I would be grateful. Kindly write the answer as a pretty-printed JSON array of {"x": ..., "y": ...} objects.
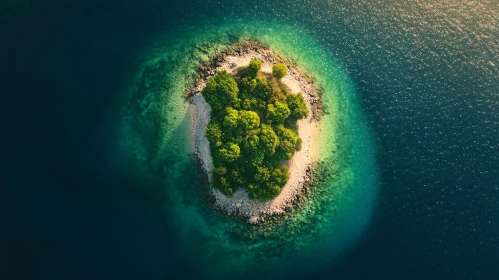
[
  {"x": 155, "y": 129},
  {"x": 424, "y": 73}
]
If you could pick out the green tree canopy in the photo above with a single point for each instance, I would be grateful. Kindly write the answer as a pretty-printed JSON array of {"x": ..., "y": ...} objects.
[
  {"x": 297, "y": 105},
  {"x": 221, "y": 91},
  {"x": 253, "y": 68},
  {"x": 268, "y": 139},
  {"x": 287, "y": 142},
  {"x": 279, "y": 70},
  {"x": 278, "y": 112},
  {"x": 220, "y": 181},
  {"x": 249, "y": 120},
  {"x": 253, "y": 154},
  {"x": 280, "y": 176},
  {"x": 262, "y": 175},
  {"x": 246, "y": 87},
  {"x": 236, "y": 176},
  {"x": 214, "y": 134},
  {"x": 231, "y": 119},
  {"x": 229, "y": 152},
  {"x": 262, "y": 89},
  {"x": 252, "y": 129},
  {"x": 298, "y": 144},
  {"x": 271, "y": 183}
]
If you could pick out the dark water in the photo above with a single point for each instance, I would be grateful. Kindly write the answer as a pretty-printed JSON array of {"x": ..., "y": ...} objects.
[{"x": 426, "y": 77}]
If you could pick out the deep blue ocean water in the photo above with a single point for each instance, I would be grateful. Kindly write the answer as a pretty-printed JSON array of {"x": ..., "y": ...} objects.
[{"x": 427, "y": 80}]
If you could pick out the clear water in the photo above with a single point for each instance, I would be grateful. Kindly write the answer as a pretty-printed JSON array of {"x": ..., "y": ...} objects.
[
  {"x": 341, "y": 202},
  {"x": 416, "y": 82}
]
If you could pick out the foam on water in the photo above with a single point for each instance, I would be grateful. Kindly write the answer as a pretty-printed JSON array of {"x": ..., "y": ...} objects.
[{"x": 155, "y": 127}]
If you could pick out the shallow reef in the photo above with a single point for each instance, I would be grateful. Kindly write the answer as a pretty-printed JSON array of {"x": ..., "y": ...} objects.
[{"x": 153, "y": 132}]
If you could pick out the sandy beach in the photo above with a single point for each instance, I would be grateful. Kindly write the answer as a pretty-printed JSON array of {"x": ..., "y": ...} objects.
[{"x": 299, "y": 166}]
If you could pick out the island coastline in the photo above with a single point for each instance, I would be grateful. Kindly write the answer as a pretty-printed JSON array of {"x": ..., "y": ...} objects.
[{"x": 300, "y": 166}]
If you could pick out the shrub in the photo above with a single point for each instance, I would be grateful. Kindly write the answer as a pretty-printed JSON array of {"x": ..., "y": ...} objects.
[
  {"x": 279, "y": 70},
  {"x": 297, "y": 105},
  {"x": 253, "y": 68}
]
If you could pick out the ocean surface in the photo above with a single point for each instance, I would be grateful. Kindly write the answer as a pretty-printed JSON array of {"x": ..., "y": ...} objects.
[{"x": 410, "y": 144}]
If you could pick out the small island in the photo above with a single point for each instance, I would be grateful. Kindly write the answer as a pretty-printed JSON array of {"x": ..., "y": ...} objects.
[{"x": 253, "y": 127}]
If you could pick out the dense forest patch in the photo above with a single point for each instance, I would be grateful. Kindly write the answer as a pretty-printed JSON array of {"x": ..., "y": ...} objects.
[{"x": 253, "y": 129}]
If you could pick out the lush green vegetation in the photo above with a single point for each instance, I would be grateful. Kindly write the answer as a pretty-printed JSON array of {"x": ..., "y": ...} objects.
[
  {"x": 252, "y": 130},
  {"x": 279, "y": 70}
]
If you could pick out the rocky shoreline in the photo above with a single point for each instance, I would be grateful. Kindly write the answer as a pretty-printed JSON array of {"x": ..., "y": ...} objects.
[
  {"x": 239, "y": 205},
  {"x": 248, "y": 48}
]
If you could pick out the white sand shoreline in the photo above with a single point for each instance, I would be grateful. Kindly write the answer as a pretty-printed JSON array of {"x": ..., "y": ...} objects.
[{"x": 299, "y": 166}]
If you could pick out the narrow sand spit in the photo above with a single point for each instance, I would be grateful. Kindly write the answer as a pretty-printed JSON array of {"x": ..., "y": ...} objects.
[{"x": 299, "y": 166}]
